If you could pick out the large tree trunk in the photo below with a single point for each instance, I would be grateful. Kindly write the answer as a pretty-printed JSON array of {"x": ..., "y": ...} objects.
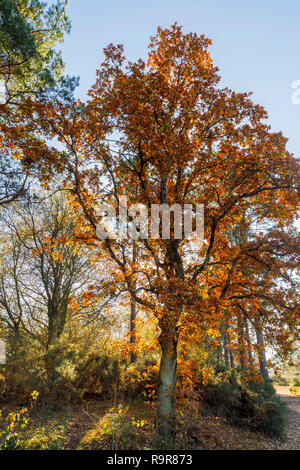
[
  {"x": 57, "y": 317},
  {"x": 167, "y": 384},
  {"x": 56, "y": 325},
  {"x": 166, "y": 411},
  {"x": 261, "y": 351}
]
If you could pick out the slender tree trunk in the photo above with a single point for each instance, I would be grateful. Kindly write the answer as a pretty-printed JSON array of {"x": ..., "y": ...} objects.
[
  {"x": 11, "y": 364},
  {"x": 51, "y": 332},
  {"x": 219, "y": 354},
  {"x": 226, "y": 352},
  {"x": 250, "y": 358},
  {"x": 225, "y": 342},
  {"x": 132, "y": 340},
  {"x": 133, "y": 355},
  {"x": 242, "y": 346},
  {"x": 231, "y": 357},
  {"x": 261, "y": 351}
]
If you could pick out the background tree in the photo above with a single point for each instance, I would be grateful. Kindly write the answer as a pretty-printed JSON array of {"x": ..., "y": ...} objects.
[
  {"x": 45, "y": 278},
  {"x": 30, "y": 66}
]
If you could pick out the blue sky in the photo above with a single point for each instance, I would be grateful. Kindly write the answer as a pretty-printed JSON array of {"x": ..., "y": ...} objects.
[{"x": 256, "y": 44}]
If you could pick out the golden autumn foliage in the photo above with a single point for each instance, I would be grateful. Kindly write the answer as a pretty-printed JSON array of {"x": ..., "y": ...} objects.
[{"x": 161, "y": 131}]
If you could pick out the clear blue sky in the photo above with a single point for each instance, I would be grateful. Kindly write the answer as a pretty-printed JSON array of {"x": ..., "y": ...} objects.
[{"x": 256, "y": 44}]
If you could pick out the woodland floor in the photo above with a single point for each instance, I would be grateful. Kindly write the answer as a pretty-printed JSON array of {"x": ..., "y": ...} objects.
[
  {"x": 209, "y": 432},
  {"x": 78, "y": 427}
]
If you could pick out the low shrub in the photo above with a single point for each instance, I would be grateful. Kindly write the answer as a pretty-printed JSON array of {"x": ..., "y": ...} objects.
[
  {"x": 117, "y": 430},
  {"x": 66, "y": 373},
  {"x": 244, "y": 402},
  {"x": 295, "y": 385}
]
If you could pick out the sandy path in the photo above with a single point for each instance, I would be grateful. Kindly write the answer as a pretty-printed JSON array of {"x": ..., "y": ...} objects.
[{"x": 293, "y": 403}]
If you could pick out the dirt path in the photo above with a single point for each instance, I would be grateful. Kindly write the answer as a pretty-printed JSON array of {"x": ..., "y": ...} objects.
[
  {"x": 88, "y": 414},
  {"x": 293, "y": 403}
]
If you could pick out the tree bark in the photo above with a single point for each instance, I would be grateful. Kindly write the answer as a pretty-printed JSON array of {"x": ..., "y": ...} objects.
[
  {"x": 132, "y": 340},
  {"x": 231, "y": 357},
  {"x": 56, "y": 325},
  {"x": 226, "y": 352},
  {"x": 261, "y": 351},
  {"x": 167, "y": 383},
  {"x": 250, "y": 358},
  {"x": 242, "y": 352},
  {"x": 133, "y": 355},
  {"x": 225, "y": 343}
]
